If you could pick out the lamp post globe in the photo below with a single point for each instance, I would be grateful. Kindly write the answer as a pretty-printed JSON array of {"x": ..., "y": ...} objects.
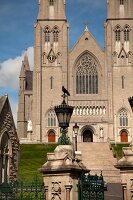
[
  {"x": 64, "y": 113},
  {"x": 130, "y": 99},
  {"x": 75, "y": 131}
]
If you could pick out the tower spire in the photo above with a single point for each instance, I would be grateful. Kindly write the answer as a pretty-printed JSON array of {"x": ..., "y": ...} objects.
[
  {"x": 51, "y": 9},
  {"x": 25, "y": 65}
]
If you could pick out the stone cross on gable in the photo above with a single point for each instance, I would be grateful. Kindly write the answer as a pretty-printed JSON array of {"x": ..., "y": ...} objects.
[{"x": 86, "y": 25}]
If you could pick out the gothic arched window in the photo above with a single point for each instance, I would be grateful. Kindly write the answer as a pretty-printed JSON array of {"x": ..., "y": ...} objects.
[
  {"x": 47, "y": 34},
  {"x": 51, "y": 2},
  {"x": 121, "y": 2},
  {"x": 86, "y": 75},
  {"x": 51, "y": 118},
  {"x": 55, "y": 34},
  {"x": 123, "y": 116},
  {"x": 126, "y": 33},
  {"x": 117, "y": 33}
]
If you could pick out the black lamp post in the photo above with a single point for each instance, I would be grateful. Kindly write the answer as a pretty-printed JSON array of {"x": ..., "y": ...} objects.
[
  {"x": 64, "y": 113},
  {"x": 130, "y": 99},
  {"x": 75, "y": 131}
]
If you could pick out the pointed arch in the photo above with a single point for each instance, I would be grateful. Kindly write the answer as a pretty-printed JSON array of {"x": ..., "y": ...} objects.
[
  {"x": 55, "y": 32},
  {"x": 86, "y": 74},
  {"x": 87, "y": 133},
  {"x": 121, "y": 2},
  {"x": 51, "y": 118},
  {"x": 51, "y": 136},
  {"x": 126, "y": 30},
  {"x": 123, "y": 117},
  {"x": 124, "y": 135},
  {"x": 47, "y": 31},
  {"x": 117, "y": 31},
  {"x": 51, "y": 2}
]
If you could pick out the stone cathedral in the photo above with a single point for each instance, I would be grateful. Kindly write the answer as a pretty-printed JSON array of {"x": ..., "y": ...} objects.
[{"x": 99, "y": 80}]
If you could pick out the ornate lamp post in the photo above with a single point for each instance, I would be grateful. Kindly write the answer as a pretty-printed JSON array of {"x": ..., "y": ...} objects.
[
  {"x": 130, "y": 99},
  {"x": 75, "y": 131},
  {"x": 64, "y": 113}
]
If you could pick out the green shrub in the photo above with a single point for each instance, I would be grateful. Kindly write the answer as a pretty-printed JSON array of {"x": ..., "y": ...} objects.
[{"x": 118, "y": 149}]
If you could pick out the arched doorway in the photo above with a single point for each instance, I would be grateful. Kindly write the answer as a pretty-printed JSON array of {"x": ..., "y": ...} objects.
[
  {"x": 87, "y": 136},
  {"x": 124, "y": 136},
  {"x": 51, "y": 136}
]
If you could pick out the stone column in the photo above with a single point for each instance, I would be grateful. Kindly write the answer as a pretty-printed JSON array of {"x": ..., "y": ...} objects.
[
  {"x": 46, "y": 192},
  {"x": 125, "y": 164},
  {"x": 125, "y": 193},
  {"x": 68, "y": 189}
]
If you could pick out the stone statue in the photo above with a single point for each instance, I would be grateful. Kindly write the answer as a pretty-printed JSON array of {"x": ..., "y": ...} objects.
[{"x": 29, "y": 126}]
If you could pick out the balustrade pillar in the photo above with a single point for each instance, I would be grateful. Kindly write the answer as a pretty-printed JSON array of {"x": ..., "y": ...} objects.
[
  {"x": 46, "y": 192},
  {"x": 68, "y": 189},
  {"x": 125, "y": 193}
]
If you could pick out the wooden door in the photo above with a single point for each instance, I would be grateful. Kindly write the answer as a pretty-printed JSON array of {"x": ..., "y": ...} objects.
[
  {"x": 51, "y": 136},
  {"x": 87, "y": 136},
  {"x": 124, "y": 136}
]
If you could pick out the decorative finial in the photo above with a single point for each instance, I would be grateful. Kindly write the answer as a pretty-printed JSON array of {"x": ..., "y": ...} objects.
[{"x": 86, "y": 25}]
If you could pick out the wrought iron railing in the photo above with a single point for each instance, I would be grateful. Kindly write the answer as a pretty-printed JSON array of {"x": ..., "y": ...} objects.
[
  {"x": 91, "y": 187},
  {"x": 22, "y": 190}
]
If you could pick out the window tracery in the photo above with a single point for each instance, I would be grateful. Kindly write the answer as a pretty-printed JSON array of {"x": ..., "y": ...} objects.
[
  {"x": 126, "y": 33},
  {"x": 123, "y": 116},
  {"x": 86, "y": 75},
  {"x": 51, "y": 118},
  {"x": 47, "y": 34},
  {"x": 55, "y": 34},
  {"x": 121, "y": 2},
  {"x": 51, "y": 2},
  {"x": 117, "y": 33}
]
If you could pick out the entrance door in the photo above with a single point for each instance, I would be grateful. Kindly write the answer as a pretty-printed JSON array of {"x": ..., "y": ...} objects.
[
  {"x": 87, "y": 136},
  {"x": 51, "y": 136},
  {"x": 124, "y": 136}
]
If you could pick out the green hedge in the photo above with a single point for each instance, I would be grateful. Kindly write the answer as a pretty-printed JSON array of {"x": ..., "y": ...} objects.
[
  {"x": 118, "y": 149},
  {"x": 32, "y": 157}
]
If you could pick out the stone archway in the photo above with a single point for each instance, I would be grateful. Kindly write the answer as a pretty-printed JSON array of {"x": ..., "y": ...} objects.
[
  {"x": 124, "y": 136},
  {"x": 87, "y": 135},
  {"x": 51, "y": 136}
]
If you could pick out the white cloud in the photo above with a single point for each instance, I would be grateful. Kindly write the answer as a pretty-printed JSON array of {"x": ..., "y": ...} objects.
[
  {"x": 9, "y": 78},
  {"x": 10, "y": 70}
]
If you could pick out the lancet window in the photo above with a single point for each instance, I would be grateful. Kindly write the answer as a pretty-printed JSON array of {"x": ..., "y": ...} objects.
[
  {"x": 51, "y": 2},
  {"x": 47, "y": 34},
  {"x": 55, "y": 34},
  {"x": 117, "y": 33},
  {"x": 51, "y": 118},
  {"x": 86, "y": 75},
  {"x": 121, "y": 2},
  {"x": 123, "y": 117},
  {"x": 126, "y": 33},
  {"x": 123, "y": 82}
]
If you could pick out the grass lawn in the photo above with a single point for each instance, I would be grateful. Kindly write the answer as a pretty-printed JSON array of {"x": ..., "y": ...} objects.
[
  {"x": 118, "y": 149},
  {"x": 32, "y": 157}
]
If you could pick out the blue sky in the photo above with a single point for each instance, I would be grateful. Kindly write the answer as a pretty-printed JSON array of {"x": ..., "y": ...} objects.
[{"x": 17, "y": 19}]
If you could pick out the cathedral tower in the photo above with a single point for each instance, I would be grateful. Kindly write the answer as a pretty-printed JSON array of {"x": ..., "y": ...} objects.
[
  {"x": 119, "y": 61},
  {"x": 50, "y": 66}
]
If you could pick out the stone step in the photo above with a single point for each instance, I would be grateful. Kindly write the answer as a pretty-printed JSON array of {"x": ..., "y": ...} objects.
[{"x": 98, "y": 157}]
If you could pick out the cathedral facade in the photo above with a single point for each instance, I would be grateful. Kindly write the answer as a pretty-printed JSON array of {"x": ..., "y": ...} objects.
[{"x": 99, "y": 80}]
